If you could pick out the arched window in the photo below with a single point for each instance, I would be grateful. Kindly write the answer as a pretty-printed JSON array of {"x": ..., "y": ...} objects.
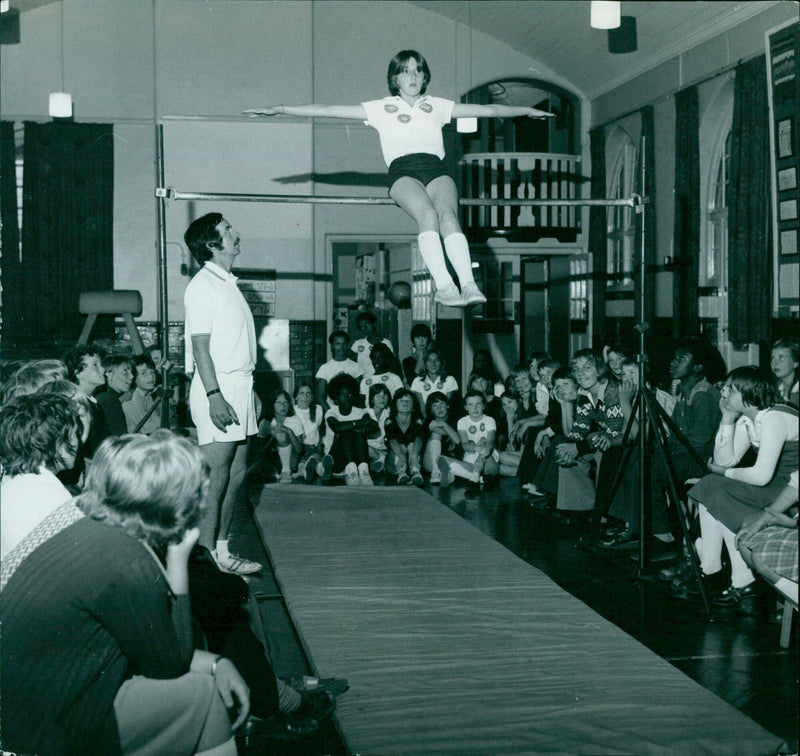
[
  {"x": 715, "y": 252},
  {"x": 621, "y": 220}
]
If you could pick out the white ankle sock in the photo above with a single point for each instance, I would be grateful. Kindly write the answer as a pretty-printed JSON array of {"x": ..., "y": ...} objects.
[
  {"x": 430, "y": 247},
  {"x": 458, "y": 253}
]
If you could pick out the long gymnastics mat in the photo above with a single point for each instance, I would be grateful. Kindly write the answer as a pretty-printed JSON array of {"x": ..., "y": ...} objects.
[{"x": 453, "y": 645}]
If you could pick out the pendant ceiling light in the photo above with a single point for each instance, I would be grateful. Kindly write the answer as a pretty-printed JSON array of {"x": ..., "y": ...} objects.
[
  {"x": 605, "y": 14},
  {"x": 60, "y": 105}
]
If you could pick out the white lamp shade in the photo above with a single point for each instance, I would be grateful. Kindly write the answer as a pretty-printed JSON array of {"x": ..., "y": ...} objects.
[
  {"x": 60, "y": 105},
  {"x": 466, "y": 125},
  {"x": 605, "y": 14}
]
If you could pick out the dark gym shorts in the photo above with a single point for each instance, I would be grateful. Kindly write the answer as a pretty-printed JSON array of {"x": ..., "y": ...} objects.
[{"x": 419, "y": 165}]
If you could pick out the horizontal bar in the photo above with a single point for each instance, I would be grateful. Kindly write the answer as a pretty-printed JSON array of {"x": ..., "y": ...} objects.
[{"x": 173, "y": 194}]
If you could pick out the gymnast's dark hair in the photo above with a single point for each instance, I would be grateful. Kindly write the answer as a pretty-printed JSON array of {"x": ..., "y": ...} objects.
[
  {"x": 398, "y": 63},
  {"x": 202, "y": 236}
]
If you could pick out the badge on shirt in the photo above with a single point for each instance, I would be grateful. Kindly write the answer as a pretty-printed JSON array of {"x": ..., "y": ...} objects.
[
  {"x": 404, "y": 118},
  {"x": 361, "y": 348},
  {"x": 384, "y": 378},
  {"x": 472, "y": 429},
  {"x": 427, "y": 387},
  {"x": 390, "y": 108},
  {"x": 426, "y": 107}
]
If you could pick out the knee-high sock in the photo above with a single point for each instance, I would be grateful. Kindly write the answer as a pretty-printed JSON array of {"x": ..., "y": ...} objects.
[
  {"x": 740, "y": 572},
  {"x": 711, "y": 529},
  {"x": 433, "y": 452},
  {"x": 462, "y": 470},
  {"x": 430, "y": 247},
  {"x": 285, "y": 455},
  {"x": 458, "y": 253}
]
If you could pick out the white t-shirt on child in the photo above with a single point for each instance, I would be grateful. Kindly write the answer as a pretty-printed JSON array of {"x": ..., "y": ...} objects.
[{"x": 355, "y": 414}]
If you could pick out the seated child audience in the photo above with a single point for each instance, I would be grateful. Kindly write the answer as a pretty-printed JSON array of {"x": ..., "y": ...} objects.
[
  {"x": 81, "y": 672},
  {"x": 544, "y": 384},
  {"x": 28, "y": 376},
  {"x": 421, "y": 341},
  {"x": 39, "y": 436},
  {"x": 311, "y": 416},
  {"x": 348, "y": 427},
  {"x": 339, "y": 363},
  {"x": 436, "y": 378},
  {"x": 378, "y": 409},
  {"x": 285, "y": 430},
  {"x": 119, "y": 377},
  {"x": 784, "y": 361},
  {"x": 482, "y": 364},
  {"x": 442, "y": 437},
  {"x": 85, "y": 370},
  {"x": 382, "y": 358},
  {"x": 360, "y": 352},
  {"x": 144, "y": 398},
  {"x": 477, "y": 433},
  {"x": 404, "y": 433},
  {"x": 751, "y": 416},
  {"x": 540, "y": 479},
  {"x": 509, "y": 449},
  {"x": 529, "y": 416},
  {"x": 482, "y": 385},
  {"x": 597, "y": 428}
]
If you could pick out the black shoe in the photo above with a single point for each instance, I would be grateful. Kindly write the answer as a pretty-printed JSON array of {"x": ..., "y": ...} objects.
[
  {"x": 625, "y": 539},
  {"x": 732, "y": 597},
  {"x": 306, "y": 684},
  {"x": 659, "y": 552},
  {"x": 613, "y": 527},
  {"x": 318, "y": 705},
  {"x": 713, "y": 584},
  {"x": 543, "y": 504},
  {"x": 280, "y": 726}
]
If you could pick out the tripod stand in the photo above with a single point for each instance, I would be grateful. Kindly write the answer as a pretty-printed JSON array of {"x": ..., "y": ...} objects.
[
  {"x": 655, "y": 422},
  {"x": 653, "y": 418}
]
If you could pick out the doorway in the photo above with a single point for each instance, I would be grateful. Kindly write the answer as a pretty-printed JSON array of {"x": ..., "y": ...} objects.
[{"x": 545, "y": 289}]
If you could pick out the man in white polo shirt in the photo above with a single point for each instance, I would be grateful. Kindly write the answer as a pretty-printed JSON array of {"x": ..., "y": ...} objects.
[{"x": 221, "y": 353}]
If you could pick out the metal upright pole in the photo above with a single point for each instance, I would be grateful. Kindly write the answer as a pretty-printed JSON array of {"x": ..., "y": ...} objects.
[
  {"x": 163, "y": 299},
  {"x": 642, "y": 327}
]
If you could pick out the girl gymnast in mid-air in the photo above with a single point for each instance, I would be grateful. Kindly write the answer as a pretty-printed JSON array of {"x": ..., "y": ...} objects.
[{"x": 410, "y": 127}]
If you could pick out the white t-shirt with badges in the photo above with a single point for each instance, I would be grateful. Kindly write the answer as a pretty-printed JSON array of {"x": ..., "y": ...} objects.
[
  {"x": 407, "y": 129},
  {"x": 426, "y": 386},
  {"x": 332, "y": 368},
  {"x": 392, "y": 382},
  {"x": 477, "y": 431}
]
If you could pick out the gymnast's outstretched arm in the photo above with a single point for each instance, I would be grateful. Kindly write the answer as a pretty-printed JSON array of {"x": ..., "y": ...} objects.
[
  {"x": 469, "y": 110},
  {"x": 353, "y": 112}
]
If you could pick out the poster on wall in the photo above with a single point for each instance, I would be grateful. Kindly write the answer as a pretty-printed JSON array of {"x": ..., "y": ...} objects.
[{"x": 783, "y": 59}]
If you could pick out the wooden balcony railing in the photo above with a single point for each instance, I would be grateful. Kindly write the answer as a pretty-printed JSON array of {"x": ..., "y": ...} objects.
[{"x": 519, "y": 176}]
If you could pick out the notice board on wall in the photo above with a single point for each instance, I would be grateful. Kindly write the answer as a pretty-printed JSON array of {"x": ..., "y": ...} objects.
[{"x": 783, "y": 61}]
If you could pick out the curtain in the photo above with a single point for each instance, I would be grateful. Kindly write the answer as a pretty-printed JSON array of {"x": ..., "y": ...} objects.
[
  {"x": 9, "y": 262},
  {"x": 686, "y": 230},
  {"x": 67, "y": 225},
  {"x": 749, "y": 242},
  {"x": 649, "y": 216},
  {"x": 598, "y": 229}
]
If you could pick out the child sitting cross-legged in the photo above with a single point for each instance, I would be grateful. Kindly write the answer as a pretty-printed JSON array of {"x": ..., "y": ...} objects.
[
  {"x": 348, "y": 427},
  {"x": 378, "y": 402},
  {"x": 285, "y": 430},
  {"x": 477, "y": 431},
  {"x": 443, "y": 438},
  {"x": 404, "y": 433},
  {"x": 310, "y": 414}
]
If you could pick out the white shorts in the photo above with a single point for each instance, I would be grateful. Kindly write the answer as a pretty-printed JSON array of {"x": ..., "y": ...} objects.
[{"x": 238, "y": 392}]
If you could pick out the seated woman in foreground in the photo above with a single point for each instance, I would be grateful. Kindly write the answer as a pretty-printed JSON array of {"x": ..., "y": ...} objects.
[
  {"x": 97, "y": 651},
  {"x": 751, "y": 415}
]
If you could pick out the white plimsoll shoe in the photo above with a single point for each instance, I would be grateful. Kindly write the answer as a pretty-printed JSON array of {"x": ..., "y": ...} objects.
[
  {"x": 450, "y": 296},
  {"x": 351, "y": 475},
  {"x": 235, "y": 565},
  {"x": 364, "y": 477},
  {"x": 471, "y": 294}
]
